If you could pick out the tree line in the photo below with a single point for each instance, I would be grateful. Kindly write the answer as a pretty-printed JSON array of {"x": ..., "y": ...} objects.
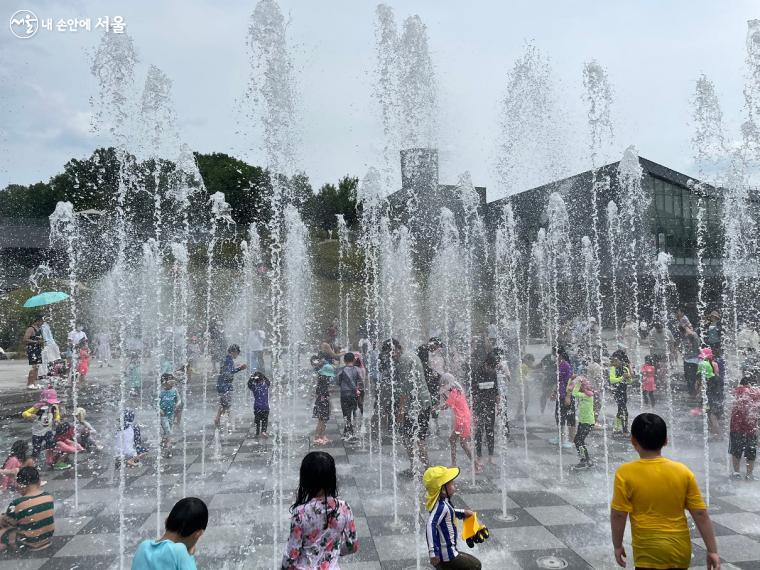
[{"x": 93, "y": 184}]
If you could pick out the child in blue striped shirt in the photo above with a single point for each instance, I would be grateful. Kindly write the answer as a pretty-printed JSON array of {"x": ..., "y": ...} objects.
[{"x": 441, "y": 530}]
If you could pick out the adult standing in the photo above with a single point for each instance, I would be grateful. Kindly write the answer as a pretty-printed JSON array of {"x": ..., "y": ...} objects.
[
  {"x": 217, "y": 344},
  {"x": 328, "y": 350},
  {"x": 660, "y": 341},
  {"x": 33, "y": 343},
  {"x": 632, "y": 340},
  {"x": 564, "y": 408},
  {"x": 75, "y": 337},
  {"x": 255, "y": 348},
  {"x": 413, "y": 403},
  {"x": 485, "y": 399},
  {"x": 50, "y": 351},
  {"x": 103, "y": 340},
  {"x": 432, "y": 377},
  {"x": 713, "y": 336},
  {"x": 690, "y": 345}
]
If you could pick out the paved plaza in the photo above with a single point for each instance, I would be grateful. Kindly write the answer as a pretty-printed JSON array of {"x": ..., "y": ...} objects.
[{"x": 557, "y": 519}]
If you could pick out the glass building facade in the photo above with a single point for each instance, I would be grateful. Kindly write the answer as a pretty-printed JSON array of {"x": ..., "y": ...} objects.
[{"x": 674, "y": 216}]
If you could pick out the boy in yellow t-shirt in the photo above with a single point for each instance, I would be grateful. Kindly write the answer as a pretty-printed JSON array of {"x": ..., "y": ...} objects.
[{"x": 655, "y": 492}]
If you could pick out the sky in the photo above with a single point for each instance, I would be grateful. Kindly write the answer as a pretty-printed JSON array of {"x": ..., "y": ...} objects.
[{"x": 653, "y": 52}]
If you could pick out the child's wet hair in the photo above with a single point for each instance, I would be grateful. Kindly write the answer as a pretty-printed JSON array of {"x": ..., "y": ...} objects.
[
  {"x": 650, "y": 431},
  {"x": 348, "y": 357},
  {"x": 187, "y": 516},
  {"x": 28, "y": 476},
  {"x": 317, "y": 474}
]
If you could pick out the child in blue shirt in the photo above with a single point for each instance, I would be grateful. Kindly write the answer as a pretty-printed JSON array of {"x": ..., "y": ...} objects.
[
  {"x": 259, "y": 384},
  {"x": 168, "y": 402},
  {"x": 185, "y": 524},
  {"x": 441, "y": 531}
]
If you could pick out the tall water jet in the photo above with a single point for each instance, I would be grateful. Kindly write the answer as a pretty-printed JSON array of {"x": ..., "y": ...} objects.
[
  {"x": 387, "y": 292},
  {"x": 385, "y": 88},
  {"x": 417, "y": 88},
  {"x": 220, "y": 217},
  {"x": 636, "y": 251},
  {"x": 446, "y": 284},
  {"x": 152, "y": 272},
  {"x": 64, "y": 230},
  {"x": 506, "y": 285},
  {"x": 613, "y": 242},
  {"x": 343, "y": 298},
  {"x": 663, "y": 290},
  {"x": 298, "y": 284},
  {"x": 560, "y": 254},
  {"x": 597, "y": 93},
  {"x": 531, "y": 131},
  {"x": 272, "y": 95},
  {"x": 751, "y": 126},
  {"x": 368, "y": 195},
  {"x": 589, "y": 266},
  {"x": 113, "y": 67},
  {"x": 180, "y": 297},
  {"x": 474, "y": 244}
]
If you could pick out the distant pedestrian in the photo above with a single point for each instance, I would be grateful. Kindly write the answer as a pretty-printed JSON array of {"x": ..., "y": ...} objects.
[
  {"x": 46, "y": 414},
  {"x": 168, "y": 402},
  {"x": 648, "y": 381},
  {"x": 580, "y": 388},
  {"x": 485, "y": 402},
  {"x": 413, "y": 403},
  {"x": 33, "y": 343},
  {"x": 83, "y": 360},
  {"x": 620, "y": 378},
  {"x": 259, "y": 384},
  {"x": 461, "y": 424},
  {"x": 654, "y": 492},
  {"x": 321, "y": 409},
  {"x": 348, "y": 381},
  {"x": 103, "y": 348},
  {"x": 744, "y": 425},
  {"x": 322, "y": 527},
  {"x": 254, "y": 348},
  {"x": 85, "y": 432},
  {"x": 224, "y": 382},
  {"x": 186, "y": 523}
]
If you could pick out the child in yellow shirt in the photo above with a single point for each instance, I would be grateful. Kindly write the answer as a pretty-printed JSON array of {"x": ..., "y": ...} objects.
[{"x": 655, "y": 492}]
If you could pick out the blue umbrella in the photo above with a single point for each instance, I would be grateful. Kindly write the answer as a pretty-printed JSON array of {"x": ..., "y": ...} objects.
[{"x": 47, "y": 298}]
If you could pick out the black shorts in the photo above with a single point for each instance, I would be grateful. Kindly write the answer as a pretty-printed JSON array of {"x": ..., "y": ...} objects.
[
  {"x": 564, "y": 414},
  {"x": 40, "y": 442},
  {"x": 322, "y": 408},
  {"x": 225, "y": 400},
  {"x": 34, "y": 354},
  {"x": 743, "y": 444},
  {"x": 348, "y": 405},
  {"x": 419, "y": 426}
]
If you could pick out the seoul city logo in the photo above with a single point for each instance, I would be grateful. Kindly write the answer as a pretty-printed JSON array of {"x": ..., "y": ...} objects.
[{"x": 24, "y": 24}]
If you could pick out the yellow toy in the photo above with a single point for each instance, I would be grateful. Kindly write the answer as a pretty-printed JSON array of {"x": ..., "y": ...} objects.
[{"x": 473, "y": 532}]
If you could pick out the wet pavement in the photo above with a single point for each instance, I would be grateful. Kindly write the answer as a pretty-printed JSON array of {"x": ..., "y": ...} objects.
[{"x": 558, "y": 518}]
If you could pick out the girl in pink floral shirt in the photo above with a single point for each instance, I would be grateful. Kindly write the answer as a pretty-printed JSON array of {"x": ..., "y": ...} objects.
[{"x": 322, "y": 528}]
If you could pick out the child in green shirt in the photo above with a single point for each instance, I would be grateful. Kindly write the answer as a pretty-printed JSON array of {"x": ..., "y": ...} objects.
[{"x": 583, "y": 392}]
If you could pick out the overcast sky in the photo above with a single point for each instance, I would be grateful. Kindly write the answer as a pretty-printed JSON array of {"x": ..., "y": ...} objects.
[{"x": 653, "y": 51}]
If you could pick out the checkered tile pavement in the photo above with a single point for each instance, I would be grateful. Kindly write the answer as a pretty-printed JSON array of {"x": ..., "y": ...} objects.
[{"x": 556, "y": 514}]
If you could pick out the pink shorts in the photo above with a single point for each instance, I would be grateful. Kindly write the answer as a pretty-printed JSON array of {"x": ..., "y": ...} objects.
[{"x": 65, "y": 447}]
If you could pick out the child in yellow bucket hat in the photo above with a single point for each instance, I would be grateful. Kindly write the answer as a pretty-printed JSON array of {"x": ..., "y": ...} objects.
[{"x": 441, "y": 532}]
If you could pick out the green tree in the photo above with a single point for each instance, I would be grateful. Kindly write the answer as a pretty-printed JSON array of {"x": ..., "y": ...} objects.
[{"x": 331, "y": 200}]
